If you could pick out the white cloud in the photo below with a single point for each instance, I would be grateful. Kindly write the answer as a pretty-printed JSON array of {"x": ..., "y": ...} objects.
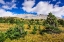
[
  {"x": 43, "y": 8},
  {"x": 4, "y": 13},
  {"x": 9, "y": 5},
  {"x": 28, "y": 5},
  {"x": 58, "y": 2},
  {"x": 2, "y": 2}
]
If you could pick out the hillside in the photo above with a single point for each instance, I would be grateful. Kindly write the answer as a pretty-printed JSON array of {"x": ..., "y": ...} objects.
[
  {"x": 14, "y": 29},
  {"x": 32, "y": 16}
]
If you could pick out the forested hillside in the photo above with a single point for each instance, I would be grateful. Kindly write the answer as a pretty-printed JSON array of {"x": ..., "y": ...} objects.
[{"x": 13, "y": 29}]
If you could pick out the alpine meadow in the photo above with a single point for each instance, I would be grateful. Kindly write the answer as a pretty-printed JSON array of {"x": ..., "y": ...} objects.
[{"x": 31, "y": 20}]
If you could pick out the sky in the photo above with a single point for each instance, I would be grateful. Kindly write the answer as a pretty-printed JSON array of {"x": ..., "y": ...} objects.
[{"x": 14, "y": 7}]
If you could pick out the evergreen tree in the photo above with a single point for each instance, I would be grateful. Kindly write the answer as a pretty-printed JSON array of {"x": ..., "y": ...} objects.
[{"x": 52, "y": 20}]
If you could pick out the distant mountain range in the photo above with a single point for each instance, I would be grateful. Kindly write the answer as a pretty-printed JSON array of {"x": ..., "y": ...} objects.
[{"x": 31, "y": 16}]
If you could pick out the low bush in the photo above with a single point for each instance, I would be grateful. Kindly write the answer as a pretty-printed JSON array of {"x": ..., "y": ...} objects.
[
  {"x": 2, "y": 37},
  {"x": 15, "y": 33},
  {"x": 50, "y": 29},
  {"x": 34, "y": 30}
]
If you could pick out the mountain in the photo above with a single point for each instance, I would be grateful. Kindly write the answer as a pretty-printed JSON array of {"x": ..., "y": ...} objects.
[{"x": 31, "y": 16}]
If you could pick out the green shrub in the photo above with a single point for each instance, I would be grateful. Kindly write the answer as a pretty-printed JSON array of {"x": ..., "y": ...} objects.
[
  {"x": 34, "y": 30},
  {"x": 61, "y": 22},
  {"x": 15, "y": 33},
  {"x": 53, "y": 29},
  {"x": 51, "y": 20},
  {"x": 50, "y": 29},
  {"x": 2, "y": 37}
]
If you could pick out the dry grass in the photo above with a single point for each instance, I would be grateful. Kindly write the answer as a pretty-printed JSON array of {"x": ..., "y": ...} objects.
[
  {"x": 36, "y": 37},
  {"x": 5, "y": 26},
  {"x": 40, "y": 38}
]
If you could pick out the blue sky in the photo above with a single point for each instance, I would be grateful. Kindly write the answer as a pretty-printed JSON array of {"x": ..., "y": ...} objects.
[{"x": 14, "y": 7}]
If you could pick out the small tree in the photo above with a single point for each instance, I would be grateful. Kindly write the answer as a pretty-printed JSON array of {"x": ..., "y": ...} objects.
[
  {"x": 51, "y": 24},
  {"x": 52, "y": 20}
]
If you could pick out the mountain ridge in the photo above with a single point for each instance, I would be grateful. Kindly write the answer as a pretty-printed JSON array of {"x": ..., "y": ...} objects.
[{"x": 31, "y": 16}]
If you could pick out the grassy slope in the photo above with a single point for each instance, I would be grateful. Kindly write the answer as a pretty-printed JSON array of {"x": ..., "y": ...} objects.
[
  {"x": 36, "y": 37},
  {"x": 5, "y": 26}
]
